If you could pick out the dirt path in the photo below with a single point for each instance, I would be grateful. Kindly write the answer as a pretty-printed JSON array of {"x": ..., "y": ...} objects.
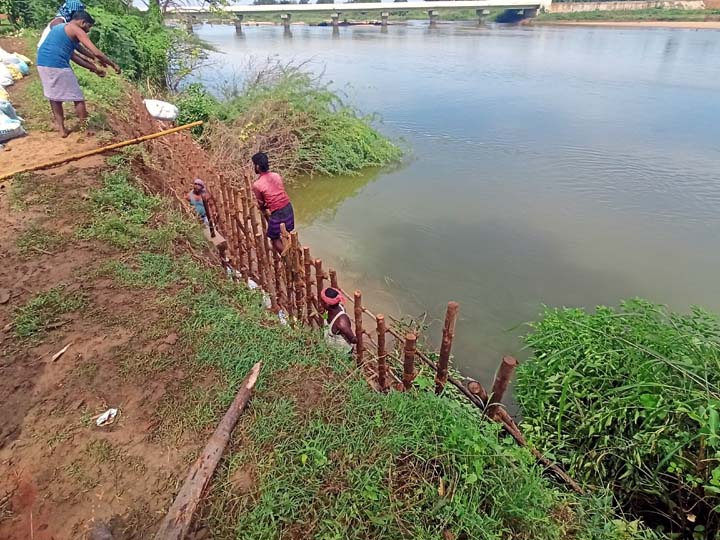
[{"x": 59, "y": 472}]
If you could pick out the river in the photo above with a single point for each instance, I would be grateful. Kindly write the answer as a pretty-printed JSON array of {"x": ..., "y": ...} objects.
[{"x": 544, "y": 165}]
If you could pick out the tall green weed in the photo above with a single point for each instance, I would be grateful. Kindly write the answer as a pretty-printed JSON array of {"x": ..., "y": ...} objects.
[{"x": 630, "y": 398}]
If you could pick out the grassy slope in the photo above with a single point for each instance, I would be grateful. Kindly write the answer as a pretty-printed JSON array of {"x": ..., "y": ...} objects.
[
  {"x": 658, "y": 14},
  {"x": 318, "y": 454}
]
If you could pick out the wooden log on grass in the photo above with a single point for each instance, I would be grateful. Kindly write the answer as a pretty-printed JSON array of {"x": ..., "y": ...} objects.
[
  {"x": 446, "y": 346},
  {"x": 409, "y": 360},
  {"x": 359, "y": 346},
  {"x": 381, "y": 352},
  {"x": 176, "y": 523}
]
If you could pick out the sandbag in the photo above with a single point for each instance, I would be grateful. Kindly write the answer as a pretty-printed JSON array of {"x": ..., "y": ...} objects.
[
  {"x": 10, "y": 129},
  {"x": 162, "y": 110},
  {"x": 15, "y": 72},
  {"x": 23, "y": 58},
  {"x": 6, "y": 78},
  {"x": 23, "y": 67},
  {"x": 8, "y": 110}
]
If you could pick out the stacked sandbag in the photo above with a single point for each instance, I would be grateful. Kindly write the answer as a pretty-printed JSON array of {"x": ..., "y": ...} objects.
[
  {"x": 16, "y": 64},
  {"x": 10, "y": 123},
  {"x": 13, "y": 67}
]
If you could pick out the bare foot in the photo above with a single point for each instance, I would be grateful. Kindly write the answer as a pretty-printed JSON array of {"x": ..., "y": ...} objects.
[{"x": 64, "y": 133}]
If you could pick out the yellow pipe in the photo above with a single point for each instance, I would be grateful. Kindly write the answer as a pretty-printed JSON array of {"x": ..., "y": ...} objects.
[{"x": 49, "y": 164}]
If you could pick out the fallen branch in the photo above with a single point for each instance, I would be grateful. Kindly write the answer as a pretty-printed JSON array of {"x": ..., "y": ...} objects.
[{"x": 176, "y": 523}]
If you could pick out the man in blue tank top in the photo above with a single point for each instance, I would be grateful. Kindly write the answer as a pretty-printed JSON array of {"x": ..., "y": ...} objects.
[{"x": 54, "y": 55}]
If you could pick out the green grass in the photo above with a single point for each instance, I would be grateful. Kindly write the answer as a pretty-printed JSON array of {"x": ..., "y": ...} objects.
[
  {"x": 37, "y": 239},
  {"x": 124, "y": 216},
  {"x": 27, "y": 190},
  {"x": 32, "y": 319},
  {"x": 654, "y": 14},
  {"x": 630, "y": 398}
]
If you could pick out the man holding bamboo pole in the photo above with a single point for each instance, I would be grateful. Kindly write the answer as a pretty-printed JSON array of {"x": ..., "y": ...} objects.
[{"x": 273, "y": 200}]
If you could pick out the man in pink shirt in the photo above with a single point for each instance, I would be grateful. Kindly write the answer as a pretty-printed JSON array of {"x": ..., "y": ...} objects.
[{"x": 272, "y": 199}]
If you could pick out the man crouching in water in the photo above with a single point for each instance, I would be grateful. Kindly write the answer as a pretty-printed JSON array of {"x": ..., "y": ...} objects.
[
  {"x": 338, "y": 328},
  {"x": 204, "y": 205}
]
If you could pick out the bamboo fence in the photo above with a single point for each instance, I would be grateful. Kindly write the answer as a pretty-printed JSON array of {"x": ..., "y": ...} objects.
[{"x": 388, "y": 355}]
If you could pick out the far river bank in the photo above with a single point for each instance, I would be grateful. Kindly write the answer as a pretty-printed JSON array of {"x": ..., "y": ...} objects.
[{"x": 698, "y": 25}]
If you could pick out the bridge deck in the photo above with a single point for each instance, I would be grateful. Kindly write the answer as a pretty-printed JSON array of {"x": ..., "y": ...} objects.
[{"x": 377, "y": 6}]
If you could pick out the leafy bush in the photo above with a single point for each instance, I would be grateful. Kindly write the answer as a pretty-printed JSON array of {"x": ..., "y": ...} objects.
[
  {"x": 629, "y": 398},
  {"x": 196, "y": 103},
  {"x": 295, "y": 117}
]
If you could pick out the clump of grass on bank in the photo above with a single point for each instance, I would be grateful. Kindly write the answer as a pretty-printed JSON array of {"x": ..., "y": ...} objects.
[
  {"x": 653, "y": 14},
  {"x": 630, "y": 398},
  {"x": 121, "y": 214},
  {"x": 37, "y": 239},
  {"x": 41, "y": 310},
  {"x": 292, "y": 115}
]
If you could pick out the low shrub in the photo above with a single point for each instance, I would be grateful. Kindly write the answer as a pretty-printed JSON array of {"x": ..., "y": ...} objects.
[{"x": 629, "y": 398}]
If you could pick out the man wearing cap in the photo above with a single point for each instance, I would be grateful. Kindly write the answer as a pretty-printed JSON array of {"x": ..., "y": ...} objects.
[
  {"x": 204, "y": 205},
  {"x": 338, "y": 328}
]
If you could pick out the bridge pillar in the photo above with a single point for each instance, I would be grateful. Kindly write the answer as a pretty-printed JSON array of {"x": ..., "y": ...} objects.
[
  {"x": 384, "y": 19},
  {"x": 189, "y": 24},
  {"x": 286, "y": 21},
  {"x": 238, "y": 23},
  {"x": 433, "y": 18},
  {"x": 482, "y": 15},
  {"x": 335, "y": 17}
]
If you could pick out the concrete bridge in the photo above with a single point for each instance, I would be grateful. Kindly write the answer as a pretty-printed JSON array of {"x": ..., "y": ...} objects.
[{"x": 527, "y": 8}]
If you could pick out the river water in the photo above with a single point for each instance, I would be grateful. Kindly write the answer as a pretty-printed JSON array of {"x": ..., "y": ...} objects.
[{"x": 557, "y": 166}]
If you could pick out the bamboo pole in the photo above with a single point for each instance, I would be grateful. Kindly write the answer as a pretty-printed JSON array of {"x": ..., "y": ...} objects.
[
  {"x": 381, "y": 352},
  {"x": 246, "y": 230},
  {"x": 446, "y": 346},
  {"x": 108, "y": 148},
  {"x": 308, "y": 263},
  {"x": 501, "y": 383},
  {"x": 319, "y": 285},
  {"x": 176, "y": 523},
  {"x": 333, "y": 279},
  {"x": 277, "y": 270},
  {"x": 289, "y": 284},
  {"x": 297, "y": 270},
  {"x": 359, "y": 347},
  {"x": 409, "y": 360}
]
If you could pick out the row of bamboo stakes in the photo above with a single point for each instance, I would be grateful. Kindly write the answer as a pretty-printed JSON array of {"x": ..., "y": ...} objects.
[{"x": 294, "y": 280}]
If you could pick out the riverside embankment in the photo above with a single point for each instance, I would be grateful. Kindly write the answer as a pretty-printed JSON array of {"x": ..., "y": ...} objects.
[{"x": 101, "y": 257}]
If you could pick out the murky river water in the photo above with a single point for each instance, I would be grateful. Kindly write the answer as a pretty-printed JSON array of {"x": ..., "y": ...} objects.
[{"x": 559, "y": 166}]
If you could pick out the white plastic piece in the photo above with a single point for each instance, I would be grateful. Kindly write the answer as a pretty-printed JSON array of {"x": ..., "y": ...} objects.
[
  {"x": 162, "y": 110},
  {"x": 283, "y": 317},
  {"x": 107, "y": 418},
  {"x": 252, "y": 285}
]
